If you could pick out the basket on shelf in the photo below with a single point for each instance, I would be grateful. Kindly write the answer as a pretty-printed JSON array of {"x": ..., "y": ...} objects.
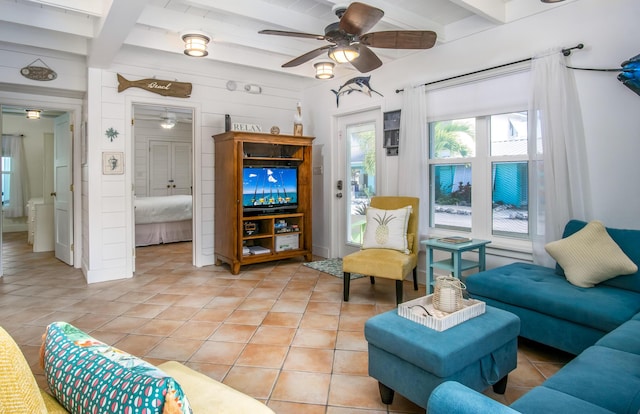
[{"x": 448, "y": 294}]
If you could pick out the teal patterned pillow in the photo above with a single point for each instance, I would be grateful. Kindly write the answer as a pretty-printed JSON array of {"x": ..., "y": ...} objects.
[{"x": 88, "y": 376}]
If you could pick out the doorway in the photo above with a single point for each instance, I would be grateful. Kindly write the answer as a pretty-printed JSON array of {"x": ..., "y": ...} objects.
[
  {"x": 163, "y": 141},
  {"x": 46, "y": 181},
  {"x": 356, "y": 168}
]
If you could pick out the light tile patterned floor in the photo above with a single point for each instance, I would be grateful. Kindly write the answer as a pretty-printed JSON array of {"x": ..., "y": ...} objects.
[{"x": 279, "y": 332}]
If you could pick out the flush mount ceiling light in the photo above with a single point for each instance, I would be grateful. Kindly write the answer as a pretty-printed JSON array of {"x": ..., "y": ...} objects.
[
  {"x": 195, "y": 44},
  {"x": 324, "y": 70},
  {"x": 169, "y": 121},
  {"x": 344, "y": 53},
  {"x": 33, "y": 113}
]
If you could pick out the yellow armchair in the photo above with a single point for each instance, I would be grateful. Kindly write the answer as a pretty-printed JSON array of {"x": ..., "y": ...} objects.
[{"x": 385, "y": 263}]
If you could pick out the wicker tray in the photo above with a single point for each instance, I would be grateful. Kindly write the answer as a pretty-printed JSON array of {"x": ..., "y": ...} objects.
[{"x": 439, "y": 321}]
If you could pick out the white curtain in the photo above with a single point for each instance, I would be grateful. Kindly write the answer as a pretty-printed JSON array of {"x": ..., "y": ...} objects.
[
  {"x": 559, "y": 175},
  {"x": 12, "y": 146},
  {"x": 413, "y": 151}
]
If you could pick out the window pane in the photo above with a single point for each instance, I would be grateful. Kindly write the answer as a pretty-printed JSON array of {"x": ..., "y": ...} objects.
[
  {"x": 510, "y": 192},
  {"x": 453, "y": 139},
  {"x": 5, "y": 166},
  {"x": 509, "y": 134},
  {"x": 451, "y": 192},
  {"x": 362, "y": 167}
]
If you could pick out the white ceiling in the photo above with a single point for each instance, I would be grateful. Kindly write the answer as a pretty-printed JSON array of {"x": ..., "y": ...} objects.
[{"x": 98, "y": 29}]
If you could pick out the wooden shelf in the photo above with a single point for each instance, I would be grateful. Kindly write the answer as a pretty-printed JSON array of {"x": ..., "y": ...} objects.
[{"x": 235, "y": 230}]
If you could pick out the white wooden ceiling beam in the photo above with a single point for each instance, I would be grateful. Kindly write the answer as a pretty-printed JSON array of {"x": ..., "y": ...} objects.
[
  {"x": 493, "y": 10},
  {"x": 48, "y": 19},
  {"x": 91, "y": 7}
]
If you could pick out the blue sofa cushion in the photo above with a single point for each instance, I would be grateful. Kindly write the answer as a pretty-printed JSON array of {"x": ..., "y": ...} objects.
[
  {"x": 629, "y": 242},
  {"x": 540, "y": 289},
  {"x": 545, "y": 400},
  {"x": 603, "y": 376},
  {"x": 626, "y": 337}
]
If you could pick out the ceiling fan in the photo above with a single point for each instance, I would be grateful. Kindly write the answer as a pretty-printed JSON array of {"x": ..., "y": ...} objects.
[{"x": 350, "y": 41}]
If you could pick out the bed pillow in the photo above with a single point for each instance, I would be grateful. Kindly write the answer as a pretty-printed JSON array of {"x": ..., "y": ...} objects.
[
  {"x": 387, "y": 229},
  {"x": 590, "y": 256},
  {"x": 86, "y": 375}
]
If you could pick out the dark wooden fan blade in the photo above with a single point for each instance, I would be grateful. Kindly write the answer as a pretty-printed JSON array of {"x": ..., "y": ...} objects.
[
  {"x": 367, "y": 61},
  {"x": 359, "y": 18},
  {"x": 292, "y": 34},
  {"x": 306, "y": 57},
  {"x": 400, "y": 39}
]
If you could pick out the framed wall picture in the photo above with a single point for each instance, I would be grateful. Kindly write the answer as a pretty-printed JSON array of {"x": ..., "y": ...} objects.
[{"x": 112, "y": 163}]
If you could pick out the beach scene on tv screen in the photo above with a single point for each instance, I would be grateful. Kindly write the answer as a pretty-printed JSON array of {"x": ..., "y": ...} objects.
[{"x": 269, "y": 186}]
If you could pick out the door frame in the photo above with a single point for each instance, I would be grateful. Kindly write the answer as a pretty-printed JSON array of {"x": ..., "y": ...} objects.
[
  {"x": 196, "y": 168},
  {"x": 338, "y": 246},
  {"x": 74, "y": 107}
]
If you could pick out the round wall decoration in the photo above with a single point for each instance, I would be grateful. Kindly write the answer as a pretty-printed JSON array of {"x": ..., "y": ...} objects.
[{"x": 39, "y": 73}]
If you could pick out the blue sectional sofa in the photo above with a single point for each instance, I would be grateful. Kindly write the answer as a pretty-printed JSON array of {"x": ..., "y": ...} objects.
[{"x": 601, "y": 325}]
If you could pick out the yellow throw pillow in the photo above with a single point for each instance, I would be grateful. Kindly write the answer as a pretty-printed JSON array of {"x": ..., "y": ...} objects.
[
  {"x": 20, "y": 392},
  {"x": 387, "y": 229},
  {"x": 590, "y": 256}
]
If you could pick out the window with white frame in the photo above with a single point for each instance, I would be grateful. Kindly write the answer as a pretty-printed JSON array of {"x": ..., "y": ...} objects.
[
  {"x": 5, "y": 171},
  {"x": 479, "y": 175}
]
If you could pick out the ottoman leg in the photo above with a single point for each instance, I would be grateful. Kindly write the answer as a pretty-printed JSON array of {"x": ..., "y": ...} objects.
[
  {"x": 386, "y": 393},
  {"x": 501, "y": 386}
]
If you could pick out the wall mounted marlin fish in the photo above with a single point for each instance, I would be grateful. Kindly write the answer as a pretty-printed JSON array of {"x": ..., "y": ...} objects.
[
  {"x": 358, "y": 84},
  {"x": 161, "y": 87}
]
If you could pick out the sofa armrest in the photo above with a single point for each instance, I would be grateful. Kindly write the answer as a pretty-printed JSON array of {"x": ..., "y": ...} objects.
[
  {"x": 451, "y": 397},
  {"x": 207, "y": 395}
]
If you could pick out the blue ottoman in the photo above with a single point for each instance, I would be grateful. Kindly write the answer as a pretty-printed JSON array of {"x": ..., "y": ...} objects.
[{"x": 412, "y": 359}]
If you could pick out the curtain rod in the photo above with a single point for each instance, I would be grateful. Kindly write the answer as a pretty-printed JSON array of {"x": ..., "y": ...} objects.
[{"x": 565, "y": 52}]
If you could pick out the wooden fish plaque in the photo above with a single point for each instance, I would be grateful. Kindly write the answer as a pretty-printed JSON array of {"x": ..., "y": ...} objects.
[{"x": 161, "y": 87}]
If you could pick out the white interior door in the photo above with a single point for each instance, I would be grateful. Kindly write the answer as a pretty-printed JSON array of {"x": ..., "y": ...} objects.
[
  {"x": 356, "y": 176},
  {"x": 159, "y": 168},
  {"x": 181, "y": 168},
  {"x": 63, "y": 196}
]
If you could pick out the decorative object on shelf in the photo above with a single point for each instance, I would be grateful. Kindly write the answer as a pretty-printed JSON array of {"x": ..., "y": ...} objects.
[
  {"x": 39, "y": 73},
  {"x": 250, "y": 228},
  {"x": 161, "y": 87},
  {"x": 239, "y": 126},
  {"x": 111, "y": 134},
  {"x": 33, "y": 113},
  {"x": 275, "y": 130},
  {"x": 112, "y": 163},
  {"x": 297, "y": 120},
  {"x": 447, "y": 295},
  {"x": 195, "y": 43},
  {"x": 324, "y": 70},
  {"x": 358, "y": 84}
]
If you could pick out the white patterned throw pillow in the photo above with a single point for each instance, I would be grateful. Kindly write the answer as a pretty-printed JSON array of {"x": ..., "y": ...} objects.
[{"x": 387, "y": 229}]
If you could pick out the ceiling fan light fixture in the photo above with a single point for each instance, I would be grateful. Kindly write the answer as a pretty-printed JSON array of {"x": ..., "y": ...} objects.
[
  {"x": 195, "y": 44},
  {"x": 33, "y": 113},
  {"x": 344, "y": 54},
  {"x": 324, "y": 70}
]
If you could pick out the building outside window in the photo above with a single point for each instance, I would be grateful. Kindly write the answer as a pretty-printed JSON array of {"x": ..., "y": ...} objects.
[{"x": 479, "y": 175}]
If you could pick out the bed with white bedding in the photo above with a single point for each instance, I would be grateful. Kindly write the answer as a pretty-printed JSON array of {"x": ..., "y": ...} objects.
[{"x": 163, "y": 219}]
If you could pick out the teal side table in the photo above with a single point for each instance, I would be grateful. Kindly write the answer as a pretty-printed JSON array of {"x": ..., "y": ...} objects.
[{"x": 456, "y": 264}]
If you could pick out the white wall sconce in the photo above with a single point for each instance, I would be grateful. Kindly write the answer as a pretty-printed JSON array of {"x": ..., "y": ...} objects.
[
  {"x": 324, "y": 70},
  {"x": 195, "y": 44},
  {"x": 33, "y": 113}
]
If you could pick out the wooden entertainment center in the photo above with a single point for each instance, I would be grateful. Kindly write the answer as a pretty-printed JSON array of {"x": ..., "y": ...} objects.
[{"x": 246, "y": 234}]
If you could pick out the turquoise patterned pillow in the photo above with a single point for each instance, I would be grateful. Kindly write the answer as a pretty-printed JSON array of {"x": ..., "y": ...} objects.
[{"x": 88, "y": 376}]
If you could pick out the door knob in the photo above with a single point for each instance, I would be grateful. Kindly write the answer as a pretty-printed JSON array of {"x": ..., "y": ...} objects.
[
  {"x": 168, "y": 186},
  {"x": 53, "y": 194}
]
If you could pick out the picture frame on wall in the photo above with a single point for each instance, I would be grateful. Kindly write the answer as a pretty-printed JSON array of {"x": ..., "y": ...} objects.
[{"x": 112, "y": 163}]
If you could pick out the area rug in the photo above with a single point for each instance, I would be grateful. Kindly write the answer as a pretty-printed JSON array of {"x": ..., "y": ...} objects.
[{"x": 332, "y": 267}]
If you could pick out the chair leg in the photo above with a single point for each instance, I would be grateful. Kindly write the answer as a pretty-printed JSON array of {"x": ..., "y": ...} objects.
[
  {"x": 372, "y": 279},
  {"x": 415, "y": 278},
  {"x": 346, "y": 278},
  {"x": 386, "y": 394},
  {"x": 398, "y": 292}
]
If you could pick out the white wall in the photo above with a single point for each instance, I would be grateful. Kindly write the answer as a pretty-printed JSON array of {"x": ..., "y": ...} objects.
[
  {"x": 610, "y": 110},
  {"x": 109, "y": 200}
]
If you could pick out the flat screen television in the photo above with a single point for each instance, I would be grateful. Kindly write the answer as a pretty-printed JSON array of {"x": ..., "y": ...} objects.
[{"x": 269, "y": 189}]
